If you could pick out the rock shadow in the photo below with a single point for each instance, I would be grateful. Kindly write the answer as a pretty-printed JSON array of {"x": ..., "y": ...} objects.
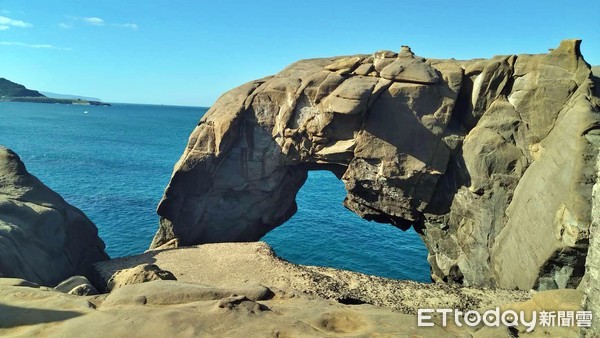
[{"x": 14, "y": 316}]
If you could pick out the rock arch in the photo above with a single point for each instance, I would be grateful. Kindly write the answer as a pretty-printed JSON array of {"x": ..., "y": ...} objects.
[{"x": 442, "y": 145}]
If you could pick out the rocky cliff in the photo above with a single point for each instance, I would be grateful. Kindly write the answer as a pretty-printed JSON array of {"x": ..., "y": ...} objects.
[
  {"x": 42, "y": 238},
  {"x": 492, "y": 161}
]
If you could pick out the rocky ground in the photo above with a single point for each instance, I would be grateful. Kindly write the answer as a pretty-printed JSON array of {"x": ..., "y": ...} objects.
[
  {"x": 243, "y": 289},
  {"x": 231, "y": 264}
]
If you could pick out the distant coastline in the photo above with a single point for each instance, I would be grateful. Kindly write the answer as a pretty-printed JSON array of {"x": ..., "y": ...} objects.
[
  {"x": 52, "y": 100},
  {"x": 14, "y": 92}
]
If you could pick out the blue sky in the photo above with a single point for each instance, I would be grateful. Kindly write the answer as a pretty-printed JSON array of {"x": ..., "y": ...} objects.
[{"x": 190, "y": 52}]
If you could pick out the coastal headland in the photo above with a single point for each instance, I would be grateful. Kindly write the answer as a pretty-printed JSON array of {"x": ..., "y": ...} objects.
[
  {"x": 494, "y": 162},
  {"x": 14, "y": 92}
]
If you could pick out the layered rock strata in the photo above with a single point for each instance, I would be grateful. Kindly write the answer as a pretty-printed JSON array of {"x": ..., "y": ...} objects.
[
  {"x": 490, "y": 160},
  {"x": 43, "y": 239}
]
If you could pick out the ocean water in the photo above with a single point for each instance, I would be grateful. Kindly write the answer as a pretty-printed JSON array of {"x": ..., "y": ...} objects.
[{"x": 114, "y": 163}]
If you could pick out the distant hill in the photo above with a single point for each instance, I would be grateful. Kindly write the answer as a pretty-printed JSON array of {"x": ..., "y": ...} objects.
[
  {"x": 596, "y": 71},
  {"x": 69, "y": 97},
  {"x": 10, "y": 89}
]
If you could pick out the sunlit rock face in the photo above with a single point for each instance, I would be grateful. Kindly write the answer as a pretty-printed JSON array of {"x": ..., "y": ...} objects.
[{"x": 491, "y": 160}]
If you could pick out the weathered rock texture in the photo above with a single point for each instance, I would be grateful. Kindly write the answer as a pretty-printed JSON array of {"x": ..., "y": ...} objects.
[
  {"x": 244, "y": 290},
  {"x": 42, "y": 238},
  {"x": 77, "y": 285},
  {"x": 227, "y": 265},
  {"x": 592, "y": 285},
  {"x": 489, "y": 159},
  {"x": 177, "y": 309},
  {"x": 138, "y": 274}
]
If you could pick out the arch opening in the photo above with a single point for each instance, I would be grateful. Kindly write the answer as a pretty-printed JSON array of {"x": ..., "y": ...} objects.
[{"x": 324, "y": 233}]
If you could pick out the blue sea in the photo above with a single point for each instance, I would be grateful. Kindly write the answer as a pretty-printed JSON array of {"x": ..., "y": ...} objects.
[{"x": 114, "y": 163}]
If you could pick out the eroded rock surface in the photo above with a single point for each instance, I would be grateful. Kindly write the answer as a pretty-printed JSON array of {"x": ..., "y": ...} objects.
[
  {"x": 77, "y": 285},
  {"x": 177, "y": 309},
  {"x": 138, "y": 274},
  {"x": 43, "y": 239},
  {"x": 227, "y": 265},
  {"x": 242, "y": 289},
  {"x": 490, "y": 160},
  {"x": 592, "y": 280}
]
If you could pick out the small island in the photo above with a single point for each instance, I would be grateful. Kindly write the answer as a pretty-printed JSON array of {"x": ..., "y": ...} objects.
[{"x": 14, "y": 92}]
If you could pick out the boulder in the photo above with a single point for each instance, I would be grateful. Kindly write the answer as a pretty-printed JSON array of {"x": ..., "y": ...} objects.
[
  {"x": 139, "y": 274},
  {"x": 77, "y": 285},
  {"x": 43, "y": 239},
  {"x": 491, "y": 161}
]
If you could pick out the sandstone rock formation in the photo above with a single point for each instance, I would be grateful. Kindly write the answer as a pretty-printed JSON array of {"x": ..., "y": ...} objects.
[
  {"x": 233, "y": 265},
  {"x": 492, "y": 161},
  {"x": 242, "y": 289},
  {"x": 176, "y": 309},
  {"x": 566, "y": 300},
  {"x": 77, "y": 285},
  {"x": 138, "y": 274},
  {"x": 592, "y": 273},
  {"x": 43, "y": 239}
]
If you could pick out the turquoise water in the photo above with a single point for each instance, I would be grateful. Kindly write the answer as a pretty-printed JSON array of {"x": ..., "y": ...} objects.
[{"x": 114, "y": 163}]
